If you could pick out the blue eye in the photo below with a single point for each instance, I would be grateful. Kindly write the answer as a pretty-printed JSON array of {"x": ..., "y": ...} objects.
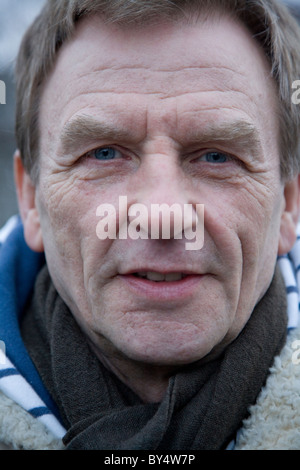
[
  {"x": 106, "y": 153},
  {"x": 215, "y": 157}
]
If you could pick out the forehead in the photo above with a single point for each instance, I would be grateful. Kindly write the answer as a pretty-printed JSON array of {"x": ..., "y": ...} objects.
[{"x": 168, "y": 68}]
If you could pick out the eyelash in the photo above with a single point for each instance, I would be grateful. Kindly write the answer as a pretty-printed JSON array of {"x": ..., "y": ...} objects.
[
  {"x": 91, "y": 154},
  {"x": 227, "y": 158}
]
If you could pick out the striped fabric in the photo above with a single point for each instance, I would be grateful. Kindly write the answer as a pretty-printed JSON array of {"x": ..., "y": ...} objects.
[
  {"x": 19, "y": 381},
  {"x": 14, "y": 385},
  {"x": 290, "y": 268}
]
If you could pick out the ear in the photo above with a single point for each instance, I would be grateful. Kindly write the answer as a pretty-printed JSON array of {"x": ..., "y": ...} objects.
[
  {"x": 290, "y": 216},
  {"x": 26, "y": 193}
]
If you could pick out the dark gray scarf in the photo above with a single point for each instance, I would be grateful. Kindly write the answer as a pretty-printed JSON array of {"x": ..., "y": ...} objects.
[{"x": 202, "y": 408}]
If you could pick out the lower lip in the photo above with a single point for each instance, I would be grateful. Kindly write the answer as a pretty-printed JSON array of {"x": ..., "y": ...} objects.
[{"x": 173, "y": 290}]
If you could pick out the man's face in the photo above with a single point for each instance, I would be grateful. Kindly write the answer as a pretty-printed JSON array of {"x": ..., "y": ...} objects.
[{"x": 174, "y": 113}]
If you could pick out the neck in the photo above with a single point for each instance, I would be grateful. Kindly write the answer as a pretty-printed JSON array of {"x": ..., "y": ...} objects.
[{"x": 149, "y": 382}]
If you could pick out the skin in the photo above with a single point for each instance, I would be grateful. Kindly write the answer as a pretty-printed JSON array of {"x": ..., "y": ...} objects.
[{"x": 164, "y": 87}]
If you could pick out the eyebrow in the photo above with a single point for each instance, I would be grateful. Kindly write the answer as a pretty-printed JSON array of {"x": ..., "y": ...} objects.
[
  {"x": 84, "y": 129},
  {"x": 239, "y": 132}
]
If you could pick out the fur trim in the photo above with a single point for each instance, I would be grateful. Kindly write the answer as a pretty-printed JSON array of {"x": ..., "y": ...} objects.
[
  {"x": 21, "y": 431},
  {"x": 273, "y": 424},
  {"x": 274, "y": 421}
]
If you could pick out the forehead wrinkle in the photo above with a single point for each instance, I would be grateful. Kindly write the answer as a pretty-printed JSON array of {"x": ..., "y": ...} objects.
[
  {"x": 150, "y": 68},
  {"x": 178, "y": 82}
]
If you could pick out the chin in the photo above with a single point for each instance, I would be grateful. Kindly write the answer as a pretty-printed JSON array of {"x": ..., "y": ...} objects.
[{"x": 175, "y": 355}]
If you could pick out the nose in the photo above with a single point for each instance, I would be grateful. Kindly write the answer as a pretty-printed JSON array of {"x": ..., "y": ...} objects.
[{"x": 163, "y": 206}]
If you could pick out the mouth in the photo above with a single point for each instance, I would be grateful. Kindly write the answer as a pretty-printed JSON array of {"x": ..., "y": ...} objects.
[
  {"x": 160, "y": 277},
  {"x": 157, "y": 285}
]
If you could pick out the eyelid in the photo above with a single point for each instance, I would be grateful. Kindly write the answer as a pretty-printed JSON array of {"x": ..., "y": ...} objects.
[
  {"x": 89, "y": 154},
  {"x": 196, "y": 156}
]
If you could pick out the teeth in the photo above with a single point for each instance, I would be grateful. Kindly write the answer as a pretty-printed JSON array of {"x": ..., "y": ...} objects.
[
  {"x": 174, "y": 277},
  {"x": 155, "y": 276}
]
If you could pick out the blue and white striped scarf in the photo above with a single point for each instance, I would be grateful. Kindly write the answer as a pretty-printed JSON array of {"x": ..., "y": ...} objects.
[{"x": 18, "y": 377}]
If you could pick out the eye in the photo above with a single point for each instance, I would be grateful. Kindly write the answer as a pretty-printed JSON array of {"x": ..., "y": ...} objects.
[
  {"x": 106, "y": 153},
  {"x": 214, "y": 157}
]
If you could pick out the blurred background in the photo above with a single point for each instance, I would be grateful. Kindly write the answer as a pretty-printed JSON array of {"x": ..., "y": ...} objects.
[{"x": 15, "y": 17}]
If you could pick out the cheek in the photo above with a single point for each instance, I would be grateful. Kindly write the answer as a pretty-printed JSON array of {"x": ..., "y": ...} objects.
[
  {"x": 252, "y": 210},
  {"x": 244, "y": 226},
  {"x": 68, "y": 223},
  {"x": 259, "y": 235},
  {"x": 259, "y": 226},
  {"x": 68, "y": 212}
]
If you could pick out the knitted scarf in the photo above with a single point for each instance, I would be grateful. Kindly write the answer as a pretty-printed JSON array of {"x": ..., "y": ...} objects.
[{"x": 203, "y": 406}]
